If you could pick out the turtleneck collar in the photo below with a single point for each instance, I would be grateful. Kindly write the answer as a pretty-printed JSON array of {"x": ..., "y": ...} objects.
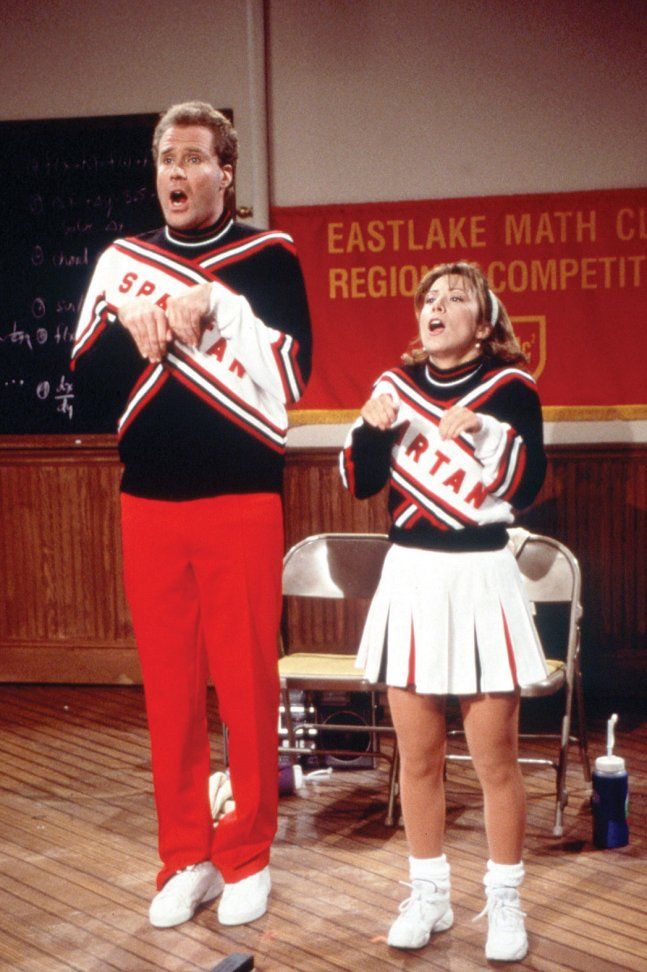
[
  {"x": 455, "y": 375},
  {"x": 198, "y": 237}
]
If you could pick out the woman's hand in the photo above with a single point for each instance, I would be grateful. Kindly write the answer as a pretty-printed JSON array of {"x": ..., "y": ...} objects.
[
  {"x": 456, "y": 420},
  {"x": 380, "y": 412}
]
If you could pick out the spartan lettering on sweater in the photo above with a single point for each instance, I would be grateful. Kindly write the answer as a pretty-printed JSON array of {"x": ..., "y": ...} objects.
[
  {"x": 147, "y": 288},
  {"x": 442, "y": 468}
]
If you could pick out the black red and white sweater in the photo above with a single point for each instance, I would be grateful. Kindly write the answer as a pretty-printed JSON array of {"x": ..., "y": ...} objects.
[
  {"x": 208, "y": 421},
  {"x": 454, "y": 494}
]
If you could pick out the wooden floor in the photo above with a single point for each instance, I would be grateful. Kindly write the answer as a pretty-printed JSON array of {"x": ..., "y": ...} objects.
[{"x": 78, "y": 859}]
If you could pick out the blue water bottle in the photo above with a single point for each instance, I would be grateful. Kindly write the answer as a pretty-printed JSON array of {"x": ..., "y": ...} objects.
[{"x": 610, "y": 799}]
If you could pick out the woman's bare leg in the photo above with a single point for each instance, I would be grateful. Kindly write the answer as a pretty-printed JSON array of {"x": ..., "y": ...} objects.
[
  {"x": 419, "y": 722},
  {"x": 491, "y": 729}
]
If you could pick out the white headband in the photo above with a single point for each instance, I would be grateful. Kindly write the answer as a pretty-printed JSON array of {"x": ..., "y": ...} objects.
[{"x": 494, "y": 315}]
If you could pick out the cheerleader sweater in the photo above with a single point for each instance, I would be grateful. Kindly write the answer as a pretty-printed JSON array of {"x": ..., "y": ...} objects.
[
  {"x": 208, "y": 421},
  {"x": 452, "y": 494}
]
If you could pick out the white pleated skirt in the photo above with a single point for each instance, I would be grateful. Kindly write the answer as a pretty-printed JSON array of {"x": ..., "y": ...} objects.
[{"x": 451, "y": 624}]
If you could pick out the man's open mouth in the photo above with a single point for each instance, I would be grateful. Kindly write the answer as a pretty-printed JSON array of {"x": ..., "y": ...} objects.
[{"x": 178, "y": 196}]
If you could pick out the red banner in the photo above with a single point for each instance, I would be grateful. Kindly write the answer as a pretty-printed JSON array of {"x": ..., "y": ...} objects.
[{"x": 570, "y": 268}]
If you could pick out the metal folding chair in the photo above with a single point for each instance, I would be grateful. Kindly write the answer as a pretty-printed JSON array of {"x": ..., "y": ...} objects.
[
  {"x": 552, "y": 576},
  {"x": 333, "y": 566}
]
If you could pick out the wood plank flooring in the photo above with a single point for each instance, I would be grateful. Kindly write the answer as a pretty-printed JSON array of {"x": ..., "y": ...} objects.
[{"x": 78, "y": 859}]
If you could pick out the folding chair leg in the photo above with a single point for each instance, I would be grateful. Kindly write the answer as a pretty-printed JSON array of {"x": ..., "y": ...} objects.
[
  {"x": 561, "y": 796},
  {"x": 375, "y": 736},
  {"x": 582, "y": 736},
  {"x": 558, "y": 828}
]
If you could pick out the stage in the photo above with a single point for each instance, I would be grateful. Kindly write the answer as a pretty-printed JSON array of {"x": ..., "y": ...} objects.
[{"x": 78, "y": 858}]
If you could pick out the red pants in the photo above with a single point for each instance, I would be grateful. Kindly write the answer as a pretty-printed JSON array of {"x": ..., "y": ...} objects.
[{"x": 203, "y": 581}]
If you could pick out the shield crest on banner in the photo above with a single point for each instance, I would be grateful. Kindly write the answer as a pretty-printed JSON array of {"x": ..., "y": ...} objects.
[{"x": 531, "y": 333}]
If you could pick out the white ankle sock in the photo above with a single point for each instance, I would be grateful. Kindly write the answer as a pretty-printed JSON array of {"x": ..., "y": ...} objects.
[
  {"x": 429, "y": 869},
  {"x": 504, "y": 875}
]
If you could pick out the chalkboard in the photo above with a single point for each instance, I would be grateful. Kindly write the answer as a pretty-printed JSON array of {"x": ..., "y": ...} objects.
[{"x": 71, "y": 187}]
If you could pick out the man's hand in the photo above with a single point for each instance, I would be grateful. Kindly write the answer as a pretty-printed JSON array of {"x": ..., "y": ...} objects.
[
  {"x": 187, "y": 314},
  {"x": 148, "y": 326},
  {"x": 380, "y": 412},
  {"x": 456, "y": 420}
]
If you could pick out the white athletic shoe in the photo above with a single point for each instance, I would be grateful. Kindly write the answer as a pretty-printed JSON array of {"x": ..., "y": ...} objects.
[
  {"x": 245, "y": 900},
  {"x": 181, "y": 895},
  {"x": 425, "y": 911},
  {"x": 507, "y": 940}
]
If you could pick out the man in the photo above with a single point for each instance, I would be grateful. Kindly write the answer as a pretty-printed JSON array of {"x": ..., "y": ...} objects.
[{"x": 200, "y": 333}]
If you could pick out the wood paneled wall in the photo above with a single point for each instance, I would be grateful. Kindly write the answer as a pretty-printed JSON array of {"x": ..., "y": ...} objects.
[{"x": 64, "y": 615}]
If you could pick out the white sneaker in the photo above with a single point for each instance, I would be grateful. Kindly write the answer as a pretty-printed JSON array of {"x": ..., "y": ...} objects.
[
  {"x": 507, "y": 940},
  {"x": 427, "y": 910},
  {"x": 182, "y": 894},
  {"x": 245, "y": 900}
]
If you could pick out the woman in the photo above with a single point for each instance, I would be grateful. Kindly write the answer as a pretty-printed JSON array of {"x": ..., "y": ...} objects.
[{"x": 457, "y": 433}]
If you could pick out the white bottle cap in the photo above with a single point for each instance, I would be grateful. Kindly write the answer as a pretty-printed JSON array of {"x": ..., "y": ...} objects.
[{"x": 609, "y": 765}]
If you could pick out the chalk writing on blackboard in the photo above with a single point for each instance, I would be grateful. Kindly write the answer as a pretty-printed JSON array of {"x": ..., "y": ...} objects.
[{"x": 76, "y": 184}]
